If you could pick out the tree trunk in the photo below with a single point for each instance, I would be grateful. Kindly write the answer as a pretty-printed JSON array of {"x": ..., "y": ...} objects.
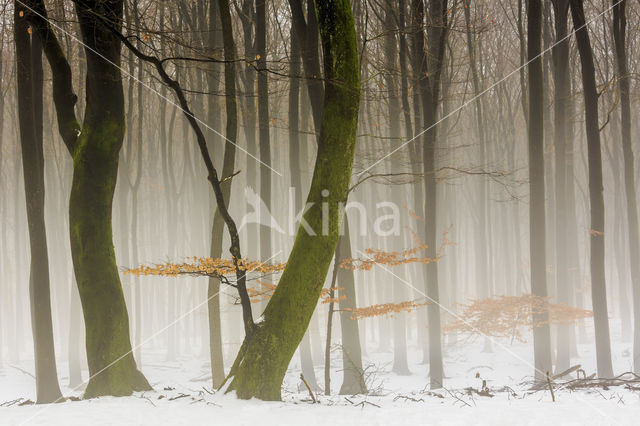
[
  {"x": 560, "y": 55},
  {"x": 598, "y": 281},
  {"x": 266, "y": 352},
  {"x": 431, "y": 60},
  {"x": 213, "y": 293},
  {"x": 353, "y": 374},
  {"x": 541, "y": 335},
  {"x": 263, "y": 124},
  {"x": 112, "y": 367},
  {"x": 295, "y": 159},
  {"x": 619, "y": 34},
  {"x": 30, "y": 106}
]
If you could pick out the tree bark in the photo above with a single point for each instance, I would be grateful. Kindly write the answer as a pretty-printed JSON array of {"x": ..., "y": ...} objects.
[
  {"x": 560, "y": 56},
  {"x": 352, "y": 372},
  {"x": 431, "y": 60},
  {"x": 619, "y": 34},
  {"x": 537, "y": 226}
]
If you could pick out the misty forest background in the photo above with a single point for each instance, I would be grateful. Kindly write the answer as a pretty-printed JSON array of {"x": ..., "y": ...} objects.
[{"x": 512, "y": 173}]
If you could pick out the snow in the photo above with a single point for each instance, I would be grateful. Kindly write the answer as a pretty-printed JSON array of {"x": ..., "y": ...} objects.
[{"x": 182, "y": 395}]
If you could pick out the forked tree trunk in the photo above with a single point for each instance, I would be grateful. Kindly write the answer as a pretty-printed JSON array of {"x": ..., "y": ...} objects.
[
  {"x": 266, "y": 352},
  {"x": 95, "y": 151}
]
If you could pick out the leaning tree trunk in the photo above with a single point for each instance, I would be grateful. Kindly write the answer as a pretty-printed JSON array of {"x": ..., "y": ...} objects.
[
  {"x": 306, "y": 359},
  {"x": 541, "y": 336},
  {"x": 29, "y": 75},
  {"x": 596, "y": 232},
  {"x": 619, "y": 34},
  {"x": 266, "y": 352}
]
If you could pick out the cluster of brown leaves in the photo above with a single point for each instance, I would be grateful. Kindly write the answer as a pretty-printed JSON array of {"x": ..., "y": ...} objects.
[
  {"x": 262, "y": 291},
  {"x": 395, "y": 258},
  {"x": 381, "y": 257},
  {"x": 506, "y": 316},
  {"x": 325, "y": 295},
  {"x": 386, "y": 309},
  {"x": 206, "y": 266}
]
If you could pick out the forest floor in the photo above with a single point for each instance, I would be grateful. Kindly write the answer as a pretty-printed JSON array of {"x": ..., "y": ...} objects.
[{"x": 182, "y": 395}]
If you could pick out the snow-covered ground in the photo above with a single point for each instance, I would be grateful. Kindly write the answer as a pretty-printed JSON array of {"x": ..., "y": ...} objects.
[{"x": 182, "y": 395}]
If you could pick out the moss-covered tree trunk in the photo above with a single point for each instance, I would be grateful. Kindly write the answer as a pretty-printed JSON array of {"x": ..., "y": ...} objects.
[
  {"x": 112, "y": 368},
  {"x": 266, "y": 352}
]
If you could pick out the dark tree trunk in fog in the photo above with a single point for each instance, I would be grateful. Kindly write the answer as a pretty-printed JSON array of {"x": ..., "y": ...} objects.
[
  {"x": 560, "y": 55},
  {"x": 263, "y": 124},
  {"x": 431, "y": 63},
  {"x": 541, "y": 335},
  {"x": 399, "y": 322},
  {"x": 213, "y": 292},
  {"x": 247, "y": 19},
  {"x": 596, "y": 198},
  {"x": 619, "y": 34},
  {"x": 217, "y": 228},
  {"x": 307, "y": 29},
  {"x": 30, "y": 106}
]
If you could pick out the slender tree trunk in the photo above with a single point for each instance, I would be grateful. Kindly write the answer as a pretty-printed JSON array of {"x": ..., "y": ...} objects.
[
  {"x": 30, "y": 106},
  {"x": 431, "y": 69},
  {"x": 619, "y": 33},
  {"x": 215, "y": 339},
  {"x": 541, "y": 335},
  {"x": 561, "y": 98},
  {"x": 263, "y": 123},
  {"x": 353, "y": 374},
  {"x": 598, "y": 280}
]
